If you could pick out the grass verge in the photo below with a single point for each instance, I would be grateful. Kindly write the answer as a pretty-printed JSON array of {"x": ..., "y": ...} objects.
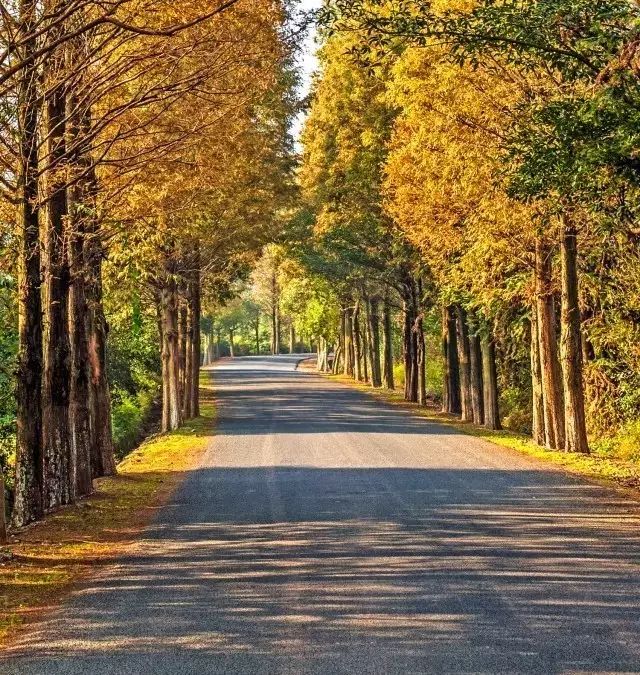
[
  {"x": 598, "y": 466},
  {"x": 44, "y": 560}
]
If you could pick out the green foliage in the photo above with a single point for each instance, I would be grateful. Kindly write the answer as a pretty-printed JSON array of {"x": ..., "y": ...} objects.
[{"x": 129, "y": 416}]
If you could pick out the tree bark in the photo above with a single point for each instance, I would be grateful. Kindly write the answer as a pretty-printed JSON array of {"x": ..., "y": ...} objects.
[
  {"x": 3, "y": 506},
  {"x": 538, "y": 430},
  {"x": 183, "y": 329},
  {"x": 348, "y": 344},
  {"x": 410, "y": 345},
  {"x": 387, "y": 362},
  {"x": 103, "y": 461},
  {"x": 292, "y": 338},
  {"x": 79, "y": 206},
  {"x": 196, "y": 314},
  {"x": 476, "y": 371},
  {"x": 171, "y": 418},
  {"x": 451, "y": 402},
  {"x": 571, "y": 344},
  {"x": 550, "y": 367},
  {"x": 187, "y": 352},
  {"x": 59, "y": 461},
  {"x": 374, "y": 342},
  {"x": 275, "y": 315},
  {"x": 80, "y": 392},
  {"x": 464, "y": 360},
  {"x": 28, "y": 504},
  {"x": 358, "y": 365},
  {"x": 490, "y": 385}
]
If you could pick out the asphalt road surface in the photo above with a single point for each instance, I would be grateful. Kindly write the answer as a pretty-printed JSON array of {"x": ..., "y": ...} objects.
[{"x": 326, "y": 532}]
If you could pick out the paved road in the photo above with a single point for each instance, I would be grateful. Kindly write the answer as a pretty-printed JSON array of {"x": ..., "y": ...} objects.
[{"x": 325, "y": 532}]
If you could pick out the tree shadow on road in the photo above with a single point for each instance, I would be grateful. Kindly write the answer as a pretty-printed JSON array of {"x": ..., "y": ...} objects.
[{"x": 302, "y": 569}]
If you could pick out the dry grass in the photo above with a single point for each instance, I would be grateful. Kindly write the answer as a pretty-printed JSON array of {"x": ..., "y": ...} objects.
[
  {"x": 600, "y": 467},
  {"x": 45, "y": 560}
]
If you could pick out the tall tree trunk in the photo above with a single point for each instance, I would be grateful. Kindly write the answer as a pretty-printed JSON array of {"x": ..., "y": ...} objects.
[
  {"x": 103, "y": 461},
  {"x": 59, "y": 461},
  {"x": 476, "y": 370},
  {"x": 292, "y": 338},
  {"x": 79, "y": 206},
  {"x": 550, "y": 367},
  {"x": 171, "y": 418},
  {"x": 28, "y": 503},
  {"x": 387, "y": 360},
  {"x": 196, "y": 313},
  {"x": 187, "y": 350},
  {"x": 570, "y": 344},
  {"x": 410, "y": 345},
  {"x": 80, "y": 393},
  {"x": 348, "y": 344},
  {"x": 451, "y": 402},
  {"x": 232, "y": 346},
  {"x": 358, "y": 365},
  {"x": 538, "y": 431},
  {"x": 3, "y": 506},
  {"x": 464, "y": 359},
  {"x": 278, "y": 328},
  {"x": 182, "y": 338},
  {"x": 422, "y": 362},
  {"x": 374, "y": 342},
  {"x": 490, "y": 384}
]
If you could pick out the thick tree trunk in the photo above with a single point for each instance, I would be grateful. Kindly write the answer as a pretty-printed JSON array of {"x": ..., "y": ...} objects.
[
  {"x": 476, "y": 370},
  {"x": 80, "y": 394},
  {"x": 28, "y": 504},
  {"x": 292, "y": 338},
  {"x": 275, "y": 315},
  {"x": 59, "y": 461},
  {"x": 196, "y": 314},
  {"x": 182, "y": 339},
  {"x": 538, "y": 431},
  {"x": 387, "y": 359},
  {"x": 451, "y": 400},
  {"x": 464, "y": 360},
  {"x": 490, "y": 385},
  {"x": 3, "y": 506},
  {"x": 358, "y": 365},
  {"x": 256, "y": 330},
  {"x": 336, "y": 359},
  {"x": 187, "y": 354},
  {"x": 570, "y": 344},
  {"x": 549, "y": 364},
  {"x": 348, "y": 344},
  {"x": 79, "y": 205},
  {"x": 171, "y": 418},
  {"x": 374, "y": 342},
  {"x": 410, "y": 346},
  {"x": 103, "y": 461},
  {"x": 421, "y": 362}
]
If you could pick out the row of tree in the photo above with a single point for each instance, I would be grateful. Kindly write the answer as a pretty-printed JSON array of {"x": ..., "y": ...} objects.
[
  {"x": 471, "y": 173},
  {"x": 156, "y": 136}
]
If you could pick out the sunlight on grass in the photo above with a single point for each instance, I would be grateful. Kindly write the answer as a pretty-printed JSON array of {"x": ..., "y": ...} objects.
[{"x": 50, "y": 556}]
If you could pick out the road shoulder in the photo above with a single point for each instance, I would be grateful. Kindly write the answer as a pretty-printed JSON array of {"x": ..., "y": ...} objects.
[
  {"x": 623, "y": 477},
  {"x": 43, "y": 563}
]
